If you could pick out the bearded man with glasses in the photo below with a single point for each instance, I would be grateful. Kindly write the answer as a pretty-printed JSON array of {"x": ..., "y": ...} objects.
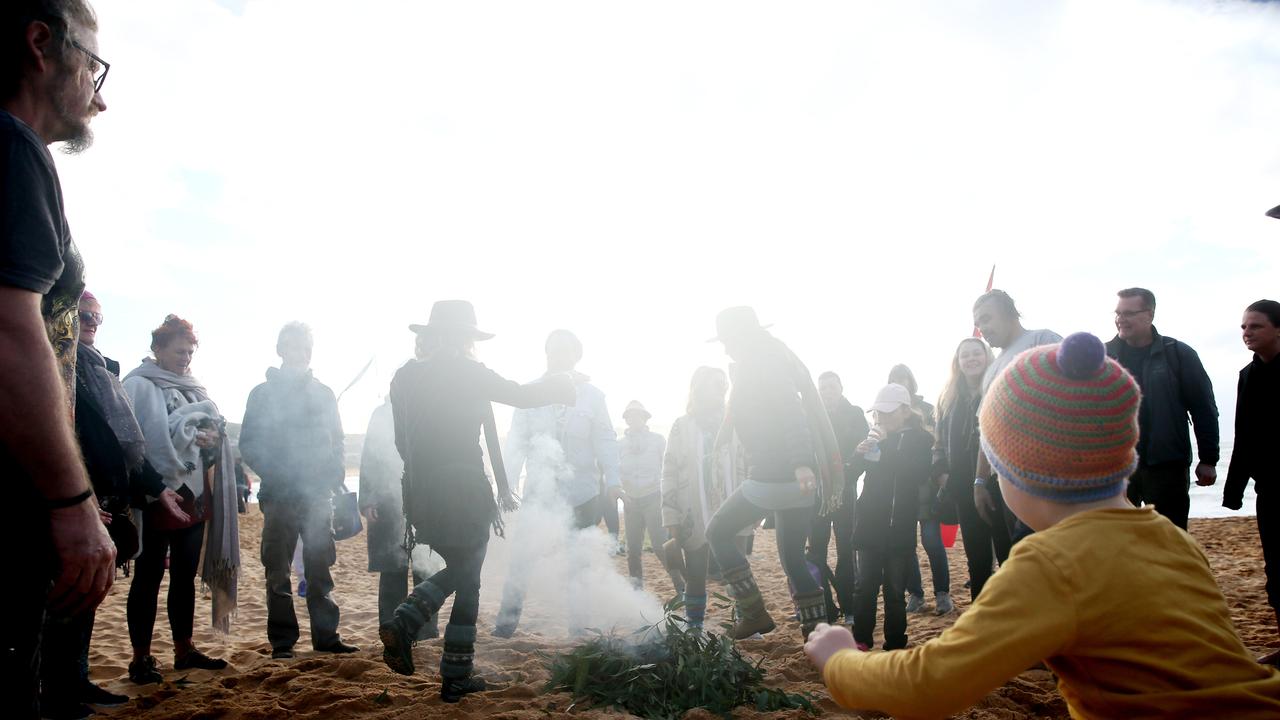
[
  {"x": 49, "y": 81},
  {"x": 1174, "y": 387}
]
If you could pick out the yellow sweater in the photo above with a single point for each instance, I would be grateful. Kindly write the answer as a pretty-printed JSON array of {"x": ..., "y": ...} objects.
[{"x": 1120, "y": 604}]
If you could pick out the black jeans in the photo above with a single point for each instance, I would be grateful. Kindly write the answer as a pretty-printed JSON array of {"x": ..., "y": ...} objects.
[
  {"x": 984, "y": 544},
  {"x": 183, "y": 548},
  {"x": 64, "y": 655},
  {"x": 845, "y": 577},
  {"x": 1268, "y": 509},
  {"x": 1167, "y": 486},
  {"x": 28, "y": 574},
  {"x": 282, "y": 523},
  {"x": 793, "y": 528},
  {"x": 459, "y": 578},
  {"x": 609, "y": 510},
  {"x": 885, "y": 569},
  {"x": 393, "y": 588}
]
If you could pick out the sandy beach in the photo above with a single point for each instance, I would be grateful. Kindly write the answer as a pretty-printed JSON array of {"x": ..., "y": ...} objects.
[{"x": 317, "y": 685}]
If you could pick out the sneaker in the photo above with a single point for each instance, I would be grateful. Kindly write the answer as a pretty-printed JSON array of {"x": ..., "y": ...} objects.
[
  {"x": 915, "y": 603},
  {"x": 302, "y": 588},
  {"x": 91, "y": 694},
  {"x": 64, "y": 710},
  {"x": 943, "y": 604},
  {"x": 282, "y": 654},
  {"x": 144, "y": 672},
  {"x": 397, "y": 646},
  {"x": 453, "y": 689},
  {"x": 196, "y": 660}
]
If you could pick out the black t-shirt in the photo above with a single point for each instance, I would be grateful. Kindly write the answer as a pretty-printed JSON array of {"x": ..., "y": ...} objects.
[{"x": 36, "y": 250}]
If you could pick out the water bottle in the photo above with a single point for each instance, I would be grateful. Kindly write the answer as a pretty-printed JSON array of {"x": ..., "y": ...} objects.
[{"x": 873, "y": 455}]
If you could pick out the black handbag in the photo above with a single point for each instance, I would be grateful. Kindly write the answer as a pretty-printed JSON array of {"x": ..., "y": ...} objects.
[{"x": 346, "y": 515}]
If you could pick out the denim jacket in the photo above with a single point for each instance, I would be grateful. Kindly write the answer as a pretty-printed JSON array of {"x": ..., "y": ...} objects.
[{"x": 584, "y": 432}]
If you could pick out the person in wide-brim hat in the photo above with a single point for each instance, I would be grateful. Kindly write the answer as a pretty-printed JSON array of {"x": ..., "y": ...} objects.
[
  {"x": 452, "y": 316},
  {"x": 737, "y": 322}
]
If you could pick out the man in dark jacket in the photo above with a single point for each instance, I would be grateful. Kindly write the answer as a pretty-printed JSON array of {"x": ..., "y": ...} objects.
[
  {"x": 292, "y": 438},
  {"x": 850, "y": 424},
  {"x": 1174, "y": 386},
  {"x": 1257, "y": 427}
]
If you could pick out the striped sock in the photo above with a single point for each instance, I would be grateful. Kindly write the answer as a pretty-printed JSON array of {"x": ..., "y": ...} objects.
[{"x": 459, "y": 651}]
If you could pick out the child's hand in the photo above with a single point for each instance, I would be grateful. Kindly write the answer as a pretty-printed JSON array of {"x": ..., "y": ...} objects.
[{"x": 825, "y": 641}]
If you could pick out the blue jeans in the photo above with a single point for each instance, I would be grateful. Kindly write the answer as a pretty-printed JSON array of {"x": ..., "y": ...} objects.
[{"x": 931, "y": 539}]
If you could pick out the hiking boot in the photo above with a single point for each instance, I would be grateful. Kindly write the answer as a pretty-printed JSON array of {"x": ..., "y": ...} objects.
[
  {"x": 453, "y": 689},
  {"x": 91, "y": 694},
  {"x": 943, "y": 604},
  {"x": 196, "y": 660},
  {"x": 752, "y": 616},
  {"x": 397, "y": 645},
  {"x": 915, "y": 603},
  {"x": 144, "y": 672}
]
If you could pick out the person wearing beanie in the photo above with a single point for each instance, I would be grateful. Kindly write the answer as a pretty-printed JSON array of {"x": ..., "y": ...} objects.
[{"x": 1060, "y": 428}]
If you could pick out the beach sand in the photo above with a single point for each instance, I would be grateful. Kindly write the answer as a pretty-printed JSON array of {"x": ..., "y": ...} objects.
[{"x": 316, "y": 685}]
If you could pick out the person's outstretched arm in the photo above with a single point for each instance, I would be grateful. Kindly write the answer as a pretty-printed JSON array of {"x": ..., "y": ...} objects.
[{"x": 1022, "y": 617}]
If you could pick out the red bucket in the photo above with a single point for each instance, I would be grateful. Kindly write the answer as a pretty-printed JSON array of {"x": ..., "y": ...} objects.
[{"x": 949, "y": 535}]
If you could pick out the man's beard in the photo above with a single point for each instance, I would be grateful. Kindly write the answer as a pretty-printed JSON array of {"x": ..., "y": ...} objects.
[{"x": 76, "y": 135}]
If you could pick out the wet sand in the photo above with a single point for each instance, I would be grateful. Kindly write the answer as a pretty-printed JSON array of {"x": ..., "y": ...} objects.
[{"x": 317, "y": 685}]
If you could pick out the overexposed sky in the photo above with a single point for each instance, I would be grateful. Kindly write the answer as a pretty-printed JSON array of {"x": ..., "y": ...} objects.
[{"x": 625, "y": 170}]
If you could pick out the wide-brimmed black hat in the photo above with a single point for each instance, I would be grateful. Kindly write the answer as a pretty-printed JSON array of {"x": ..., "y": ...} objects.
[
  {"x": 1274, "y": 212},
  {"x": 737, "y": 322},
  {"x": 452, "y": 315}
]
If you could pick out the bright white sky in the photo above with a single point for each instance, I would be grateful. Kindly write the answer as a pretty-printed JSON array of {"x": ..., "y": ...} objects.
[{"x": 626, "y": 170}]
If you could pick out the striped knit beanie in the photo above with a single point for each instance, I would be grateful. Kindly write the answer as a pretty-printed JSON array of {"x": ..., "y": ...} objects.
[{"x": 1061, "y": 422}]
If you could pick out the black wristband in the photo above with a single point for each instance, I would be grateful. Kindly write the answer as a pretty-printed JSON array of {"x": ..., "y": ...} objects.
[{"x": 68, "y": 502}]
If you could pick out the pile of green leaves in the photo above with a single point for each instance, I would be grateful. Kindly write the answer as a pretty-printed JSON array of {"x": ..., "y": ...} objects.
[{"x": 664, "y": 670}]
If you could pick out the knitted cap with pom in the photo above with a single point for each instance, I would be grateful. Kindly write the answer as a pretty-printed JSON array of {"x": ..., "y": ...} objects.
[{"x": 1061, "y": 422}]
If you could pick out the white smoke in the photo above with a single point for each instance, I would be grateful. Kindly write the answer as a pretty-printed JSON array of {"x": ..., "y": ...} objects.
[{"x": 566, "y": 572}]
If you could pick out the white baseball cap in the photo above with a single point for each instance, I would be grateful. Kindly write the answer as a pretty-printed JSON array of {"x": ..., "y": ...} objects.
[{"x": 891, "y": 397}]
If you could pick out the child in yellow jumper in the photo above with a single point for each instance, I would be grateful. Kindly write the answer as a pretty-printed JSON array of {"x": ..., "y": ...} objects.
[{"x": 1117, "y": 601}]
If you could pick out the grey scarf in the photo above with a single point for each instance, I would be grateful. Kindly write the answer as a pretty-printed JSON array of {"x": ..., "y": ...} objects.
[
  {"x": 109, "y": 395},
  {"x": 221, "y": 568}
]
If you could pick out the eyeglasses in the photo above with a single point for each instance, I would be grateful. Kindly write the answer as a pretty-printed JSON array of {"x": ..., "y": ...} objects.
[
  {"x": 1130, "y": 314},
  {"x": 98, "y": 67},
  {"x": 90, "y": 318}
]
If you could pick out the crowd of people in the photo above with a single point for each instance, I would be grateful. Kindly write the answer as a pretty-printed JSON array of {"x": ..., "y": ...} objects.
[{"x": 1046, "y": 455}]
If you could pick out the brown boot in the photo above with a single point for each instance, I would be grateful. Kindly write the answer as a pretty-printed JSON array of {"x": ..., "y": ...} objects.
[
  {"x": 752, "y": 616},
  {"x": 812, "y": 608}
]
